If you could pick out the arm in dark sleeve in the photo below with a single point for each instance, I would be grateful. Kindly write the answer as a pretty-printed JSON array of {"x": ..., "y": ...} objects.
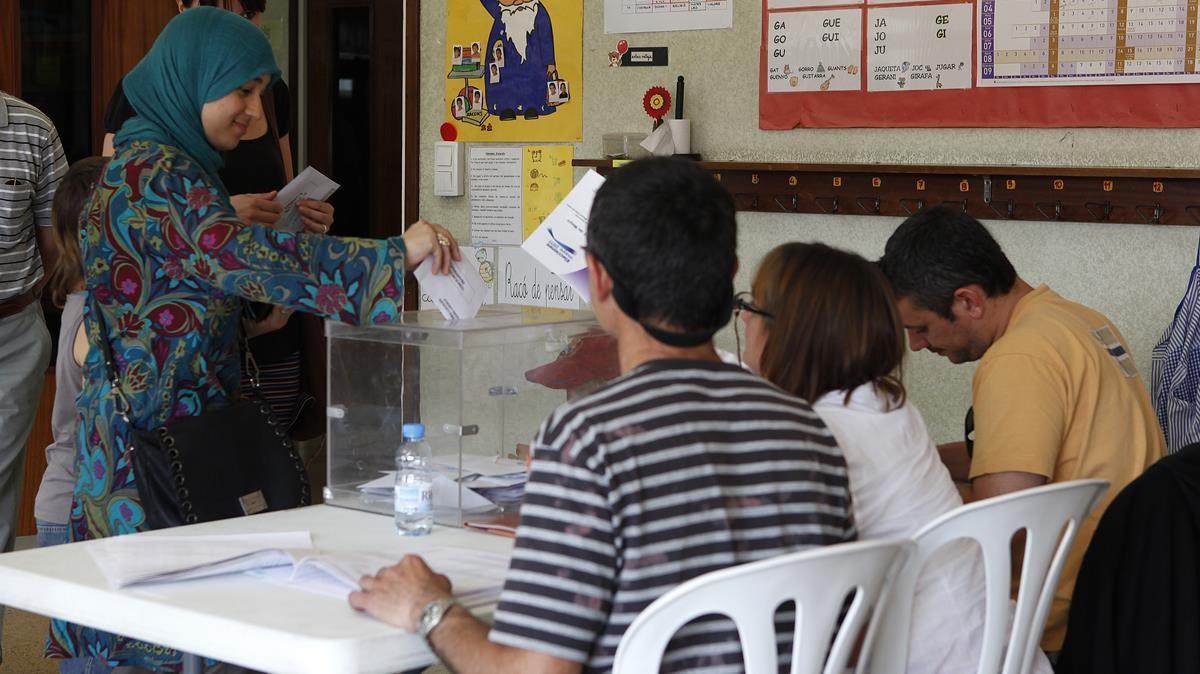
[
  {"x": 118, "y": 110},
  {"x": 283, "y": 107}
]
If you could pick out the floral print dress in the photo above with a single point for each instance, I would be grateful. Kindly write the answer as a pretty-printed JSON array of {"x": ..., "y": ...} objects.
[{"x": 167, "y": 262}]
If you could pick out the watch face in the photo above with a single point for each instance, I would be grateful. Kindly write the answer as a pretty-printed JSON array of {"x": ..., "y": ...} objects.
[{"x": 432, "y": 614}]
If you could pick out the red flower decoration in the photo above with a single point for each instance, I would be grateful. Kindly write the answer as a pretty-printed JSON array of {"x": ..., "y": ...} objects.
[
  {"x": 657, "y": 102},
  {"x": 331, "y": 299},
  {"x": 199, "y": 197}
]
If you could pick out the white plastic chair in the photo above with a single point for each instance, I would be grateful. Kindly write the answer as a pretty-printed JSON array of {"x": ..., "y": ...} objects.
[
  {"x": 1043, "y": 512},
  {"x": 817, "y": 580}
]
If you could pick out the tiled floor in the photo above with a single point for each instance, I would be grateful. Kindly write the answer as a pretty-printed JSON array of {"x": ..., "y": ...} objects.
[{"x": 24, "y": 635}]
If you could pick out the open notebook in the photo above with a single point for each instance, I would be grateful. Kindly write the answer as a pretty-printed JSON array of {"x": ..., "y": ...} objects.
[{"x": 287, "y": 558}]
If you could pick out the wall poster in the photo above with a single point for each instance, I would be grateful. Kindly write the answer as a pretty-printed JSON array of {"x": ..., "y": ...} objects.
[
  {"x": 979, "y": 63},
  {"x": 514, "y": 72}
]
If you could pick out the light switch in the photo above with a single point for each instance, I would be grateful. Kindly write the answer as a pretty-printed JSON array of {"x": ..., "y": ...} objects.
[{"x": 448, "y": 159}]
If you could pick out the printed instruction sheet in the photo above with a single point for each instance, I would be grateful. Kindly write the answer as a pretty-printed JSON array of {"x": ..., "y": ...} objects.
[{"x": 645, "y": 16}]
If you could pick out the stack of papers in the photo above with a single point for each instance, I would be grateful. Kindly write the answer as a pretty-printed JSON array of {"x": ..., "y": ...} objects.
[
  {"x": 286, "y": 558},
  {"x": 489, "y": 482}
]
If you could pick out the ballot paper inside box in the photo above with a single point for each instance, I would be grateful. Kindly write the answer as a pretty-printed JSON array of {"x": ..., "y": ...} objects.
[{"x": 481, "y": 386}]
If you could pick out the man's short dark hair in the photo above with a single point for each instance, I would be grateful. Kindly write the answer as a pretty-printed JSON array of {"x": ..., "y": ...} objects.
[
  {"x": 666, "y": 231},
  {"x": 938, "y": 251}
]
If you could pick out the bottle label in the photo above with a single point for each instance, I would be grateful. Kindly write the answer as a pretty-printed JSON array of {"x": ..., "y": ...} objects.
[{"x": 415, "y": 498}]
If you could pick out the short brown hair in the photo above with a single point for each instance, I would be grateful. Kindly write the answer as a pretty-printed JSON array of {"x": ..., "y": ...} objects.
[
  {"x": 69, "y": 199},
  {"x": 835, "y": 324}
]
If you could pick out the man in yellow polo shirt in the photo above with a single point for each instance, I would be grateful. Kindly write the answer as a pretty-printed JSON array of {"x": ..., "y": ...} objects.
[{"x": 1056, "y": 394}]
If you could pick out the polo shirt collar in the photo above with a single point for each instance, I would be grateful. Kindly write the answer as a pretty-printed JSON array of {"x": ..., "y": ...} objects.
[{"x": 3, "y": 110}]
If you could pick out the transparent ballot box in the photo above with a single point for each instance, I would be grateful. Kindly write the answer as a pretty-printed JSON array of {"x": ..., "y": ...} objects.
[{"x": 481, "y": 387}]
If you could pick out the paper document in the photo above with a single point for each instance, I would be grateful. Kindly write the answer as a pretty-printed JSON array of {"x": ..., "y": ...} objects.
[
  {"x": 494, "y": 178},
  {"x": 125, "y": 560},
  {"x": 445, "y": 492},
  {"x": 558, "y": 243},
  {"x": 458, "y": 294},
  {"x": 477, "y": 577},
  {"x": 310, "y": 184}
]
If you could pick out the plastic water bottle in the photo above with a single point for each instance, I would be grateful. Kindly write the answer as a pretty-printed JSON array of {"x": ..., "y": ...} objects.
[{"x": 414, "y": 483}]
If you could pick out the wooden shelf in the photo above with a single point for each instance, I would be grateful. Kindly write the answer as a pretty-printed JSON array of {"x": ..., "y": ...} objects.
[{"x": 1120, "y": 195}]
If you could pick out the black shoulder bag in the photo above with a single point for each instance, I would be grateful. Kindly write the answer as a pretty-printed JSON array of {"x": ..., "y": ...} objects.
[{"x": 230, "y": 461}]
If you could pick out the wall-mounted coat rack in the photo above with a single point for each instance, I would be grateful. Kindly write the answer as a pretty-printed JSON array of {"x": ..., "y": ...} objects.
[{"x": 1119, "y": 195}]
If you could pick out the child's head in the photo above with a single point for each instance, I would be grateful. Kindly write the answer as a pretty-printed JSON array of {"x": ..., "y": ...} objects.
[{"x": 69, "y": 199}]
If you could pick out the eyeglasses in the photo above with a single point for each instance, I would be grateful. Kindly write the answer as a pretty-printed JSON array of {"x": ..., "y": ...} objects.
[{"x": 741, "y": 302}]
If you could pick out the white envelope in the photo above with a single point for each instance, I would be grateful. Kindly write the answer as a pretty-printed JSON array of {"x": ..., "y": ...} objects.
[
  {"x": 558, "y": 243},
  {"x": 458, "y": 294}
]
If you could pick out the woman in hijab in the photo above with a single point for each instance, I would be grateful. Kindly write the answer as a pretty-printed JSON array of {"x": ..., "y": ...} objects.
[{"x": 167, "y": 261}]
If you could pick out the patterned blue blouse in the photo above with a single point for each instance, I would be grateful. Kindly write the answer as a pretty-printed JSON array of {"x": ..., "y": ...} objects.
[{"x": 166, "y": 263}]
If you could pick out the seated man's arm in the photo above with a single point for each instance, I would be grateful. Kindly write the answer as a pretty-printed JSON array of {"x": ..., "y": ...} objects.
[
  {"x": 998, "y": 484},
  {"x": 954, "y": 456},
  {"x": 1021, "y": 415},
  {"x": 397, "y": 596},
  {"x": 558, "y": 590}
]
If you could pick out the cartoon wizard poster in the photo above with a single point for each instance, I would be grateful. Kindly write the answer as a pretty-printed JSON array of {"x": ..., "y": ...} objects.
[{"x": 505, "y": 57}]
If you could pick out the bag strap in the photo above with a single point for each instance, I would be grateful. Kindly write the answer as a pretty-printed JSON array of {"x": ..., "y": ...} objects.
[{"x": 114, "y": 379}]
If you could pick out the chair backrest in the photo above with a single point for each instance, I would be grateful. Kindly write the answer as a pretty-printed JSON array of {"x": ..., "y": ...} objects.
[
  {"x": 1050, "y": 516},
  {"x": 818, "y": 581}
]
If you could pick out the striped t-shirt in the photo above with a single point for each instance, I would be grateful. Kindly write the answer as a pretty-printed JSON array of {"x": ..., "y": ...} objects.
[
  {"x": 680, "y": 468},
  {"x": 32, "y": 163}
]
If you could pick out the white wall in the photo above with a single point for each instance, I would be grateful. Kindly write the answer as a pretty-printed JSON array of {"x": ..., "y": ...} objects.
[{"x": 1134, "y": 274}]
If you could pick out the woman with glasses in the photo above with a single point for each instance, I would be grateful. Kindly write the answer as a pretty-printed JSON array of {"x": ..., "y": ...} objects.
[{"x": 822, "y": 324}]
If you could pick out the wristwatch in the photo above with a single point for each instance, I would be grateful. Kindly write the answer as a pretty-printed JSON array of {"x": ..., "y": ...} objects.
[{"x": 432, "y": 614}]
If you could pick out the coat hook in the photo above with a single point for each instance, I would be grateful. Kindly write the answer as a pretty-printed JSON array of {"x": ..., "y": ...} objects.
[
  {"x": 1194, "y": 211},
  {"x": 793, "y": 208},
  {"x": 874, "y": 201},
  {"x": 833, "y": 208},
  {"x": 1008, "y": 211},
  {"x": 1156, "y": 213},
  {"x": 1057, "y": 205},
  {"x": 920, "y": 205},
  {"x": 962, "y": 203},
  {"x": 1105, "y": 210}
]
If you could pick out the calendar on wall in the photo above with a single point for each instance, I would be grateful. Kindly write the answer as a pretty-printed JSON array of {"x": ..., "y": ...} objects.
[
  {"x": 1065, "y": 42},
  {"x": 968, "y": 63}
]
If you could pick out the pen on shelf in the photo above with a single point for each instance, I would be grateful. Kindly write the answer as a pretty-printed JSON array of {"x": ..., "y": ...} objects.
[{"x": 679, "y": 97}]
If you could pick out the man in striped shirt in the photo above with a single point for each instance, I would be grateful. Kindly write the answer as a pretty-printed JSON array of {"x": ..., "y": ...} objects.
[
  {"x": 682, "y": 466},
  {"x": 31, "y": 164}
]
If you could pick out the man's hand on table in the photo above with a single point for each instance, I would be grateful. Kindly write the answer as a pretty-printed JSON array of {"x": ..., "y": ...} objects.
[{"x": 398, "y": 593}]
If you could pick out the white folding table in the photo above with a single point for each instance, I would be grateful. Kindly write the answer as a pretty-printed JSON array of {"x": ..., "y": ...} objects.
[{"x": 241, "y": 619}]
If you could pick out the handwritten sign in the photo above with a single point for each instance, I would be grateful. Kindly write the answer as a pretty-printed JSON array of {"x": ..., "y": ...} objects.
[{"x": 526, "y": 282}]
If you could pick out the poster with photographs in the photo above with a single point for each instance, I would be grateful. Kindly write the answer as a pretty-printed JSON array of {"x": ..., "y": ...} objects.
[
  {"x": 557, "y": 92},
  {"x": 517, "y": 68}
]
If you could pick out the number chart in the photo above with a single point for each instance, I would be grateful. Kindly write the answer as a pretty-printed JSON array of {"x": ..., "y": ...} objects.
[
  {"x": 1073, "y": 42},
  {"x": 979, "y": 63}
]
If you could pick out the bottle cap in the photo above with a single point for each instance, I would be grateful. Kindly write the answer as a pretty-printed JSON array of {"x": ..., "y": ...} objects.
[{"x": 413, "y": 431}]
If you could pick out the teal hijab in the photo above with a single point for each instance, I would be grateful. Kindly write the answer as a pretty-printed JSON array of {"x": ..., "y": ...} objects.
[{"x": 202, "y": 55}]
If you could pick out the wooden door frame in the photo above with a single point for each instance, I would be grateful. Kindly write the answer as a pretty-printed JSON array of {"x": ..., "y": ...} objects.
[
  {"x": 395, "y": 150},
  {"x": 10, "y": 49}
]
